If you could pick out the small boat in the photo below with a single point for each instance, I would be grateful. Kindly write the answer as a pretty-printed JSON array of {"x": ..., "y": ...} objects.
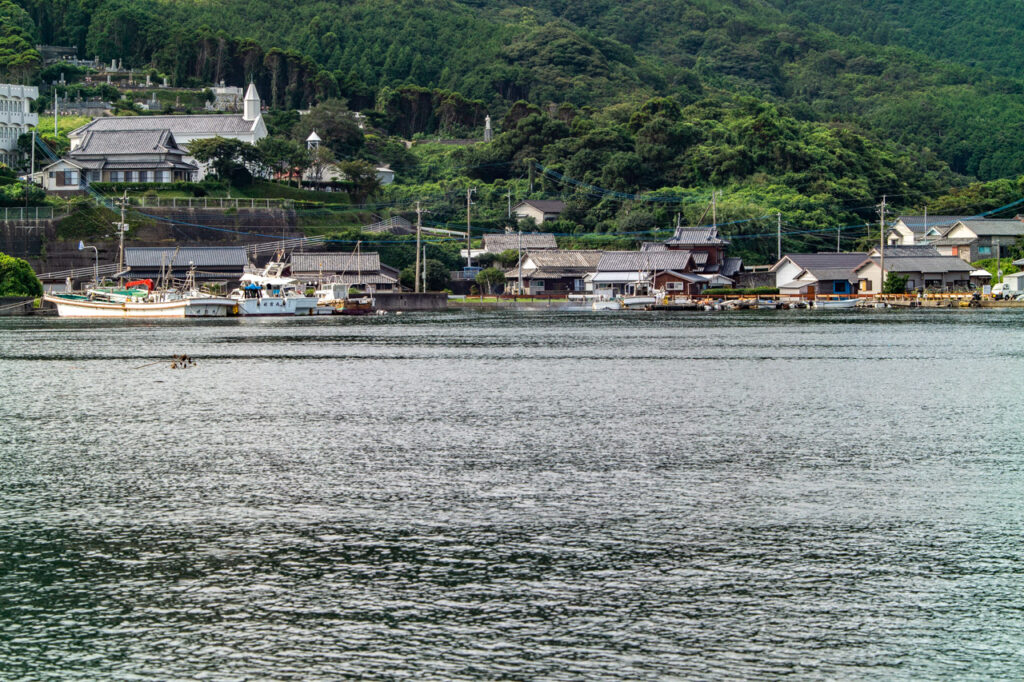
[
  {"x": 337, "y": 298},
  {"x": 835, "y": 303},
  {"x": 267, "y": 291}
]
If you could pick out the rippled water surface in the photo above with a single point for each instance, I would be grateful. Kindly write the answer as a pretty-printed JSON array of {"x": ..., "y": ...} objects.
[{"x": 514, "y": 495}]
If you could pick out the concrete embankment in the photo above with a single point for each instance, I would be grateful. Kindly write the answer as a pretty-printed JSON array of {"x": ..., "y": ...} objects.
[
  {"x": 407, "y": 302},
  {"x": 16, "y": 305}
]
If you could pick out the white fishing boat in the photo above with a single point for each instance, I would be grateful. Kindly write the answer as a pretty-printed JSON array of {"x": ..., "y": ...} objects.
[
  {"x": 267, "y": 291},
  {"x": 138, "y": 300}
]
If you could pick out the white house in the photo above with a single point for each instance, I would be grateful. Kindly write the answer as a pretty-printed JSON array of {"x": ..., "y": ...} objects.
[
  {"x": 247, "y": 126},
  {"x": 538, "y": 209},
  {"x": 923, "y": 265},
  {"x": 909, "y": 230},
  {"x": 114, "y": 156},
  {"x": 977, "y": 239},
  {"x": 817, "y": 273},
  {"x": 16, "y": 118}
]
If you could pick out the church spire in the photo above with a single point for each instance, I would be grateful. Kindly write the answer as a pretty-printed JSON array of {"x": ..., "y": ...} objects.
[{"x": 252, "y": 103}]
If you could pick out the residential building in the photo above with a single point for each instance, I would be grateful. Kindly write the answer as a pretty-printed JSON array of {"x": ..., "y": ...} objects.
[
  {"x": 211, "y": 263},
  {"x": 909, "y": 230},
  {"x": 923, "y": 265},
  {"x": 16, "y": 118},
  {"x": 552, "y": 270},
  {"x": 620, "y": 272},
  {"x": 514, "y": 241},
  {"x": 708, "y": 250},
  {"x": 363, "y": 270},
  {"x": 977, "y": 239},
  {"x": 119, "y": 156},
  {"x": 539, "y": 210},
  {"x": 810, "y": 274}
]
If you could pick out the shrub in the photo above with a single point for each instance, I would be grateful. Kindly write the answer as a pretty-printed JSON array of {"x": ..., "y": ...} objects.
[{"x": 17, "y": 278}]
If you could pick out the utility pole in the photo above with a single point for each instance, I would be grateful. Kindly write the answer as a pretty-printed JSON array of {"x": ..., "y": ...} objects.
[
  {"x": 778, "y": 235},
  {"x": 419, "y": 230},
  {"x": 122, "y": 227},
  {"x": 838, "y": 232},
  {"x": 510, "y": 203},
  {"x": 520, "y": 261},
  {"x": 32, "y": 169},
  {"x": 56, "y": 103},
  {"x": 881, "y": 239},
  {"x": 424, "y": 283},
  {"x": 469, "y": 202},
  {"x": 714, "y": 209}
]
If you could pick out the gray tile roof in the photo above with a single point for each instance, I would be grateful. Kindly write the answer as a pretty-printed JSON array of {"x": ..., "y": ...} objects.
[
  {"x": 653, "y": 246},
  {"x": 812, "y": 261},
  {"x": 915, "y": 251},
  {"x": 557, "y": 258},
  {"x": 333, "y": 262},
  {"x": 696, "y": 235},
  {"x": 545, "y": 205},
  {"x": 826, "y": 274},
  {"x": 189, "y": 124},
  {"x": 731, "y": 265},
  {"x": 226, "y": 257},
  {"x": 995, "y": 228},
  {"x": 496, "y": 243},
  {"x": 108, "y": 142},
  {"x": 633, "y": 261},
  {"x": 926, "y": 264},
  {"x": 918, "y": 224}
]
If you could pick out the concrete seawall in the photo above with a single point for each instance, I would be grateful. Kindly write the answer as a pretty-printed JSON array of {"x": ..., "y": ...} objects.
[
  {"x": 16, "y": 305},
  {"x": 410, "y": 302}
]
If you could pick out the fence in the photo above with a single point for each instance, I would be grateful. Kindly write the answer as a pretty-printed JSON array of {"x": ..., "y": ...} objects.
[
  {"x": 143, "y": 201},
  {"x": 23, "y": 213},
  {"x": 282, "y": 245}
]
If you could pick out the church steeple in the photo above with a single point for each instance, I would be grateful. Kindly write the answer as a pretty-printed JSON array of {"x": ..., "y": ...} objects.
[{"x": 252, "y": 103}]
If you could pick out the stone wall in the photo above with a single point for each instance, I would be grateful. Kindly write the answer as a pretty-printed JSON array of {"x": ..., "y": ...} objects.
[{"x": 410, "y": 302}]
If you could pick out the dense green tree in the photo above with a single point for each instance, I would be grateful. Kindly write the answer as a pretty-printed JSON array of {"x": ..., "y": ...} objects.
[
  {"x": 224, "y": 155},
  {"x": 362, "y": 177},
  {"x": 335, "y": 124},
  {"x": 17, "y": 278}
]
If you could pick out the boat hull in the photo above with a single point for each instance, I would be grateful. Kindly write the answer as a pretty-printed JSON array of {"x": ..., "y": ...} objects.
[
  {"x": 188, "y": 307},
  {"x": 847, "y": 303},
  {"x": 275, "y": 306}
]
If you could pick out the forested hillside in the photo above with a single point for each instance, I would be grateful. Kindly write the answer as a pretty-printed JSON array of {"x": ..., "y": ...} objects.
[{"x": 813, "y": 108}]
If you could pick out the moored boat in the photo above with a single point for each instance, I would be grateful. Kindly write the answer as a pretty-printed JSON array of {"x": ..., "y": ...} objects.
[{"x": 267, "y": 291}]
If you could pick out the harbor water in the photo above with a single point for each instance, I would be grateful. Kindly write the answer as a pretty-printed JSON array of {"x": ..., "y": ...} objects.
[{"x": 516, "y": 495}]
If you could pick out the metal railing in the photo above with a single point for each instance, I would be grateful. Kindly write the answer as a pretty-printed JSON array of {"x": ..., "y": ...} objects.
[
  {"x": 75, "y": 273},
  {"x": 24, "y": 213},
  {"x": 143, "y": 201},
  {"x": 282, "y": 245}
]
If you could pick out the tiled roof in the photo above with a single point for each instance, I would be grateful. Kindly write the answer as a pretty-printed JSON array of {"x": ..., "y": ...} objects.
[
  {"x": 556, "y": 258},
  {"x": 919, "y": 224},
  {"x": 927, "y": 264},
  {"x": 190, "y": 124},
  {"x": 696, "y": 235},
  {"x": 653, "y": 246},
  {"x": 915, "y": 251},
  {"x": 200, "y": 256},
  {"x": 826, "y": 274},
  {"x": 995, "y": 228},
  {"x": 544, "y": 205},
  {"x": 731, "y": 265},
  {"x": 627, "y": 261},
  {"x": 812, "y": 261},
  {"x": 107, "y": 142},
  {"x": 496, "y": 243},
  {"x": 332, "y": 262}
]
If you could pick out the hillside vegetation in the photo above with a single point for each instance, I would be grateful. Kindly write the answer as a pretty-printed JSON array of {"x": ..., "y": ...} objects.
[{"x": 633, "y": 110}]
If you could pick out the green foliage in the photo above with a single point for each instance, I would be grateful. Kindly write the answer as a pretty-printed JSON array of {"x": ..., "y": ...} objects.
[
  {"x": 226, "y": 156},
  {"x": 21, "y": 194},
  {"x": 993, "y": 266},
  {"x": 895, "y": 283},
  {"x": 490, "y": 278},
  {"x": 362, "y": 177},
  {"x": 18, "y": 56},
  {"x": 335, "y": 125},
  {"x": 88, "y": 220},
  {"x": 17, "y": 278}
]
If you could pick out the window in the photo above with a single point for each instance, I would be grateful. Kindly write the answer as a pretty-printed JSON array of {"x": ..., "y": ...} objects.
[
  {"x": 865, "y": 285},
  {"x": 984, "y": 250},
  {"x": 840, "y": 286},
  {"x": 578, "y": 284},
  {"x": 143, "y": 176},
  {"x": 537, "y": 284},
  {"x": 162, "y": 176},
  {"x": 117, "y": 176}
]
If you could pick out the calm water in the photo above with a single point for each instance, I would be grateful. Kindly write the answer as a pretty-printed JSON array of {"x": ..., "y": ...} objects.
[{"x": 514, "y": 495}]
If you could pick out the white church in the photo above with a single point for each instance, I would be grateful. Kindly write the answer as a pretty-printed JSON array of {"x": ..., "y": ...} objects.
[{"x": 247, "y": 127}]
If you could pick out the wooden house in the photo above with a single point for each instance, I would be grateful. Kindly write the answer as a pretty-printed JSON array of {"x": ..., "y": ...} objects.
[{"x": 552, "y": 270}]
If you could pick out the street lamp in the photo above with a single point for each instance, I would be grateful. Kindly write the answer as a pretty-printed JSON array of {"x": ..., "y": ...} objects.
[{"x": 96, "y": 266}]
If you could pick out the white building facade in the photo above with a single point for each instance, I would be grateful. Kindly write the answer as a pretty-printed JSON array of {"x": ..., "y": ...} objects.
[{"x": 16, "y": 118}]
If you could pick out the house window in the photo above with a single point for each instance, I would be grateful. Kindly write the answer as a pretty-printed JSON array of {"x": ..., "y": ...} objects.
[
  {"x": 984, "y": 250},
  {"x": 117, "y": 176},
  {"x": 537, "y": 284},
  {"x": 911, "y": 284},
  {"x": 162, "y": 176},
  {"x": 865, "y": 285},
  {"x": 143, "y": 176},
  {"x": 578, "y": 284},
  {"x": 840, "y": 287}
]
